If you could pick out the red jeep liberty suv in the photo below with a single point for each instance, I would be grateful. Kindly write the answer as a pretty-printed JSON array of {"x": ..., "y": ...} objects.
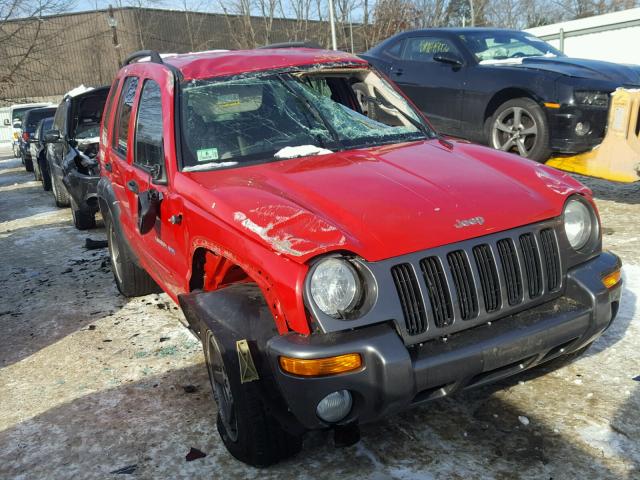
[{"x": 338, "y": 259}]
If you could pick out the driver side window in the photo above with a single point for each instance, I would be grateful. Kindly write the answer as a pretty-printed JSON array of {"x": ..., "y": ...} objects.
[
  {"x": 422, "y": 49},
  {"x": 149, "y": 150}
]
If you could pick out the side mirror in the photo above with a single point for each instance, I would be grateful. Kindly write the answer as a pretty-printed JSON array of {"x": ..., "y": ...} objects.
[
  {"x": 449, "y": 58},
  {"x": 7, "y": 122},
  {"x": 148, "y": 209},
  {"x": 51, "y": 136}
]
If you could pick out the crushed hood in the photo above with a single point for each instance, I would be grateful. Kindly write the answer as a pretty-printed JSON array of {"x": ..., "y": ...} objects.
[
  {"x": 383, "y": 202},
  {"x": 621, "y": 75}
]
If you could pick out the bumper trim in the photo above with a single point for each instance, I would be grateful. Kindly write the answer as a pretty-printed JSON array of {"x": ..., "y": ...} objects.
[{"x": 395, "y": 376}]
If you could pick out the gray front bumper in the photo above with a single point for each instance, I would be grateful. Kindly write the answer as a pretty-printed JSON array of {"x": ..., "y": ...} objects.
[{"x": 394, "y": 376}]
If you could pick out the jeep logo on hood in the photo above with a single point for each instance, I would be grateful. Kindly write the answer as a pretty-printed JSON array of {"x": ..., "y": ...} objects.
[{"x": 467, "y": 222}]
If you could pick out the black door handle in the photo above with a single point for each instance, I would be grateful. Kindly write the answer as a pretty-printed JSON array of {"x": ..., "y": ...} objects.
[
  {"x": 132, "y": 185},
  {"x": 108, "y": 167},
  {"x": 398, "y": 71}
]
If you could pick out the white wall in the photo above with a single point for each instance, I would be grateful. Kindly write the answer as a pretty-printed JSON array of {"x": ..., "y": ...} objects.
[{"x": 619, "y": 43}]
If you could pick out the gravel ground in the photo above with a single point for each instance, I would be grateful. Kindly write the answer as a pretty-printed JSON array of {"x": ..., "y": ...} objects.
[{"x": 93, "y": 385}]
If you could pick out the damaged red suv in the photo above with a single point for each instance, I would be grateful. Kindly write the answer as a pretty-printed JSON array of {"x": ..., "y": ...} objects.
[{"x": 337, "y": 258}]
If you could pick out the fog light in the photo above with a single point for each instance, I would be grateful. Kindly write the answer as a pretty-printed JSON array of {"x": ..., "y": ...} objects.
[
  {"x": 335, "y": 406},
  {"x": 583, "y": 128},
  {"x": 612, "y": 279}
]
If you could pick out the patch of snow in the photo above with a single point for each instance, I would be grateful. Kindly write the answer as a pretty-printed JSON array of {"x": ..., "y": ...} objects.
[
  {"x": 79, "y": 90},
  {"x": 523, "y": 420},
  {"x": 208, "y": 166},
  {"x": 504, "y": 61},
  {"x": 301, "y": 151}
]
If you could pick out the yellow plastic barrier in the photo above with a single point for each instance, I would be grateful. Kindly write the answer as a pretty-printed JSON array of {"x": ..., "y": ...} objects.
[{"x": 617, "y": 158}]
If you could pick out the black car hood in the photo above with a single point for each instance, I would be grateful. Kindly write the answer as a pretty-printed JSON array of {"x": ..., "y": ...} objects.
[{"x": 622, "y": 75}]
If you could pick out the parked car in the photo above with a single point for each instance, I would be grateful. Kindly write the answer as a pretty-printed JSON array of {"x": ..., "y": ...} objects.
[
  {"x": 17, "y": 113},
  {"x": 504, "y": 88},
  {"x": 30, "y": 122},
  {"x": 338, "y": 259},
  {"x": 38, "y": 150},
  {"x": 72, "y": 146}
]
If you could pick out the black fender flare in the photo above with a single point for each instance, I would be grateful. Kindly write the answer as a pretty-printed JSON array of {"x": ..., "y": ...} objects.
[{"x": 240, "y": 312}]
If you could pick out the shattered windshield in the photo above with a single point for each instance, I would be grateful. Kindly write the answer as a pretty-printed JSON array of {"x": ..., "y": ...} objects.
[
  {"x": 260, "y": 118},
  {"x": 499, "y": 46}
]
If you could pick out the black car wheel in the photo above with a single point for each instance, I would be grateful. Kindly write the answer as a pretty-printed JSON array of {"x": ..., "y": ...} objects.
[
  {"x": 28, "y": 163},
  {"x": 60, "y": 193},
  {"x": 131, "y": 280},
  {"x": 519, "y": 126},
  {"x": 46, "y": 176},
  {"x": 37, "y": 171},
  {"x": 83, "y": 219},
  {"x": 247, "y": 428}
]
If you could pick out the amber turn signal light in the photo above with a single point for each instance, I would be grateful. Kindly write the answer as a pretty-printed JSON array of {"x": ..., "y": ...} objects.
[
  {"x": 612, "y": 279},
  {"x": 318, "y": 367}
]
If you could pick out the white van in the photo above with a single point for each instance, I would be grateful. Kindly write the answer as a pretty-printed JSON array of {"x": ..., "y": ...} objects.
[{"x": 15, "y": 121}]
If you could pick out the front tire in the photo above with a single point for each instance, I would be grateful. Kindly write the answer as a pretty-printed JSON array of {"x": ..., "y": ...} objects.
[
  {"x": 520, "y": 126},
  {"x": 60, "y": 194},
  {"x": 250, "y": 433},
  {"x": 83, "y": 219},
  {"x": 131, "y": 280}
]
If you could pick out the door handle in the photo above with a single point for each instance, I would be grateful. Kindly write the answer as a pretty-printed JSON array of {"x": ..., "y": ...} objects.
[
  {"x": 132, "y": 185},
  {"x": 398, "y": 71}
]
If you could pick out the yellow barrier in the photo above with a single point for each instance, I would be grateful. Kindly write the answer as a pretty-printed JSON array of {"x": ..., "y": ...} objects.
[{"x": 617, "y": 158}]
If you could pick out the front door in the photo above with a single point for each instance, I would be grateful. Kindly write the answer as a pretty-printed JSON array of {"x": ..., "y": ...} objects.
[{"x": 435, "y": 87}]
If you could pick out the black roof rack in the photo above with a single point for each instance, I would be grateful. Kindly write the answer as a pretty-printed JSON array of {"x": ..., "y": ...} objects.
[
  {"x": 154, "y": 57},
  {"x": 304, "y": 44}
]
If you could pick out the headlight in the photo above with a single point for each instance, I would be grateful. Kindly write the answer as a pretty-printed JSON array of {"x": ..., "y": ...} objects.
[
  {"x": 592, "y": 98},
  {"x": 335, "y": 286},
  {"x": 578, "y": 223}
]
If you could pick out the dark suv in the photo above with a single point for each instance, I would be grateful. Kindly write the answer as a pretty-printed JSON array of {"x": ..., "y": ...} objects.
[
  {"x": 31, "y": 120},
  {"x": 38, "y": 150},
  {"x": 72, "y": 145}
]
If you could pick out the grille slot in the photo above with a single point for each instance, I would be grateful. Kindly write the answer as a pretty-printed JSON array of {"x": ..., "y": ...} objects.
[
  {"x": 439, "y": 296},
  {"x": 551, "y": 259},
  {"x": 488, "y": 277},
  {"x": 465, "y": 287},
  {"x": 511, "y": 270},
  {"x": 409, "y": 292},
  {"x": 531, "y": 258}
]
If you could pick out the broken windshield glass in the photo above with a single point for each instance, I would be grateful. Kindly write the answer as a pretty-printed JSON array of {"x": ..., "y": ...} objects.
[{"x": 253, "y": 118}]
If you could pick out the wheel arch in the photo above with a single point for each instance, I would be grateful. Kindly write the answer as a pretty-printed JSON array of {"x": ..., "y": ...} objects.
[{"x": 505, "y": 95}]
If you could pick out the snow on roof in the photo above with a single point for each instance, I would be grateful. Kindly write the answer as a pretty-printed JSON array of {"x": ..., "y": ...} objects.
[{"x": 79, "y": 90}]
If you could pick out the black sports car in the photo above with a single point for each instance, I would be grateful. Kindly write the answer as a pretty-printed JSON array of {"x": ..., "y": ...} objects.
[{"x": 504, "y": 88}]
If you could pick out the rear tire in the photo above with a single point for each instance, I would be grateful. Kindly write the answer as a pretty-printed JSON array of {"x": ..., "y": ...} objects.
[
  {"x": 131, "y": 280},
  {"x": 37, "y": 172},
  {"x": 28, "y": 163},
  {"x": 46, "y": 176},
  {"x": 83, "y": 219},
  {"x": 60, "y": 193},
  {"x": 249, "y": 432},
  {"x": 520, "y": 126}
]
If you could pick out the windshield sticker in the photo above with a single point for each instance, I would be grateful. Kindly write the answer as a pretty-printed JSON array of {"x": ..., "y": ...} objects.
[
  {"x": 230, "y": 100},
  {"x": 207, "y": 154}
]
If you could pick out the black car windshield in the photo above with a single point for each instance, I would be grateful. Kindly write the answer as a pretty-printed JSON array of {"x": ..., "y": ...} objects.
[
  {"x": 33, "y": 117},
  {"x": 259, "y": 118},
  {"x": 498, "y": 46}
]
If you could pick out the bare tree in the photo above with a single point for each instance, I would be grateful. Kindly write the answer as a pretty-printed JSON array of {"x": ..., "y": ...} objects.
[{"x": 24, "y": 39}]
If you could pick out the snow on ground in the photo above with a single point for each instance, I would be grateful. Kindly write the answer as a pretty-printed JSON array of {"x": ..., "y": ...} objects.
[{"x": 92, "y": 383}]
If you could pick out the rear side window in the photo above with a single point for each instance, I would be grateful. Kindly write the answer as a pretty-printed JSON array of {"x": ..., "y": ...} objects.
[
  {"x": 422, "y": 49},
  {"x": 394, "y": 50},
  {"x": 149, "y": 151},
  {"x": 107, "y": 111},
  {"x": 60, "y": 117},
  {"x": 125, "y": 106}
]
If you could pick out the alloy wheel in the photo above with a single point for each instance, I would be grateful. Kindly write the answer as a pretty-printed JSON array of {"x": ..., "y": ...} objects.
[
  {"x": 114, "y": 253},
  {"x": 515, "y": 130}
]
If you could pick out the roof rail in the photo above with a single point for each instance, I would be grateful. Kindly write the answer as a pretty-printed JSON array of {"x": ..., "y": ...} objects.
[
  {"x": 305, "y": 44},
  {"x": 154, "y": 57}
]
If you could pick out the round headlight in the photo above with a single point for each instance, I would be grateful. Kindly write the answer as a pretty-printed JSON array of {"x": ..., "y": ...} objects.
[
  {"x": 335, "y": 286},
  {"x": 578, "y": 223}
]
